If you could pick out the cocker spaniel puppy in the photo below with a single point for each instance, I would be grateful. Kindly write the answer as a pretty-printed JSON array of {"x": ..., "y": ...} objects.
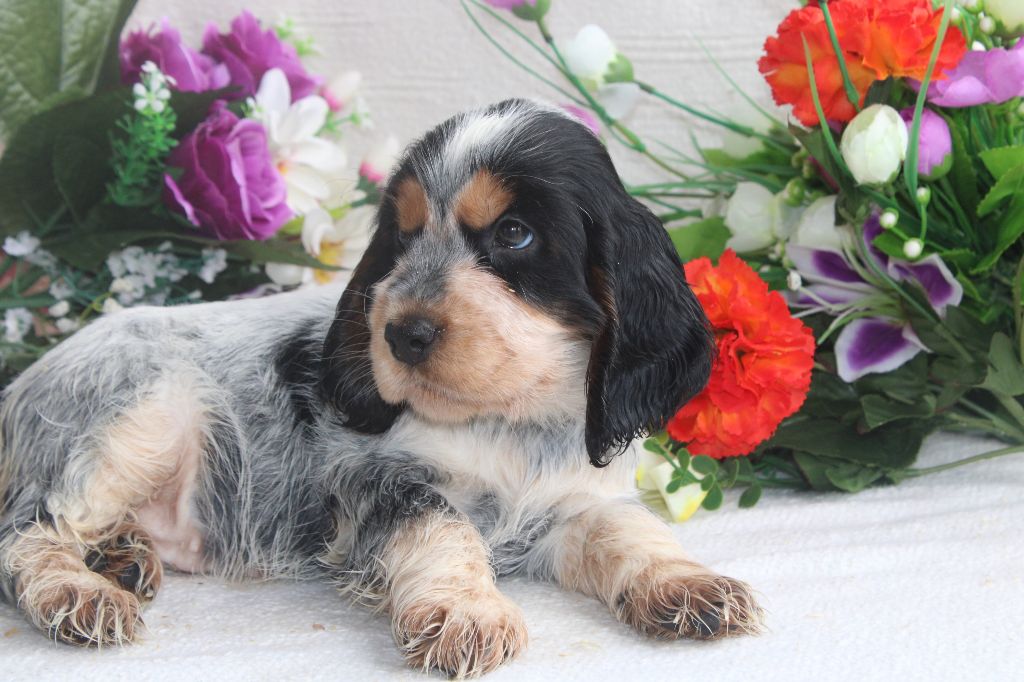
[{"x": 516, "y": 322}]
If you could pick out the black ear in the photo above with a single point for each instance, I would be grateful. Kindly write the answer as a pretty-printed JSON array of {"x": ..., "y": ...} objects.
[
  {"x": 346, "y": 371},
  {"x": 655, "y": 349}
]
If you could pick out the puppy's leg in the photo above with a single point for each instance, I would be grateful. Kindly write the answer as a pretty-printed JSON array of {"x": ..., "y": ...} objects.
[
  {"x": 413, "y": 555},
  {"x": 77, "y": 562},
  {"x": 619, "y": 552}
]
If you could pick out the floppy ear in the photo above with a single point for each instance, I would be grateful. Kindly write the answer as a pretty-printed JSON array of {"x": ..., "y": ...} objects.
[
  {"x": 655, "y": 349},
  {"x": 346, "y": 371}
]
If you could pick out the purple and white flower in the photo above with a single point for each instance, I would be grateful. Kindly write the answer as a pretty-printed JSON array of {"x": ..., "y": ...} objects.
[{"x": 875, "y": 337}]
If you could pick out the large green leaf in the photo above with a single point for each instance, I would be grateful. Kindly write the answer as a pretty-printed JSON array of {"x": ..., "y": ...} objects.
[
  {"x": 1009, "y": 185},
  {"x": 1001, "y": 160},
  {"x": 1005, "y": 373},
  {"x": 893, "y": 446},
  {"x": 702, "y": 238},
  {"x": 51, "y": 46},
  {"x": 29, "y": 193},
  {"x": 1011, "y": 227}
]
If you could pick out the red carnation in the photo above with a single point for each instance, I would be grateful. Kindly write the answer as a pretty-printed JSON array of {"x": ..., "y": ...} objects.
[{"x": 763, "y": 369}]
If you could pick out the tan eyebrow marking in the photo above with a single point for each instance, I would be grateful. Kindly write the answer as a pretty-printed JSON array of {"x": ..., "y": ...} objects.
[
  {"x": 410, "y": 205},
  {"x": 482, "y": 200}
]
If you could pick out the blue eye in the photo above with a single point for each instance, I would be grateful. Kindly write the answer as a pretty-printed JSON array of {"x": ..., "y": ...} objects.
[{"x": 512, "y": 234}]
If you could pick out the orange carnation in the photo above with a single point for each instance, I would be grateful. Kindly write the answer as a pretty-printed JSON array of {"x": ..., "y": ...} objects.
[
  {"x": 763, "y": 369},
  {"x": 878, "y": 38}
]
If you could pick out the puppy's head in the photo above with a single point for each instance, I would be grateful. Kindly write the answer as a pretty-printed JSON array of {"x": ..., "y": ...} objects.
[{"x": 512, "y": 275}]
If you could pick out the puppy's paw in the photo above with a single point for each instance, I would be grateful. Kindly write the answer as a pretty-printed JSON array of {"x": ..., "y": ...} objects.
[
  {"x": 83, "y": 609},
  {"x": 685, "y": 600},
  {"x": 129, "y": 561},
  {"x": 461, "y": 636}
]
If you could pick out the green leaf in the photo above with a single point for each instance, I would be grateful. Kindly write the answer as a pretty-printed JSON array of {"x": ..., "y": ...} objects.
[
  {"x": 852, "y": 478},
  {"x": 730, "y": 471},
  {"x": 905, "y": 384},
  {"x": 684, "y": 459},
  {"x": 110, "y": 68},
  {"x": 713, "y": 500},
  {"x": 701, "y": 238},
  {"x": 28, "y": 188},
  {"x": 80, "y": 171},
  {"x": 1001, "y": 160},
  {"x": 813, "y": 468},
  {"x": 674, "y": 485},
  {"x": 652, "y": 445},
  {"x": 1006, "y": 187},
  {"x": 892, "y": 446},
  {"x": 1005, "y": 372},
  {"x": 703, "y": 464},
  {"x": 890, "y": 244},
  {"x": 50, "y": 46},
  {"x": 879, "y": 410},
  {"x": 750, "y": 496},
  {"x": 707, "y": 482},
  {"x": 1010, "y": 228},
  {"x": 963, "y": 176}
]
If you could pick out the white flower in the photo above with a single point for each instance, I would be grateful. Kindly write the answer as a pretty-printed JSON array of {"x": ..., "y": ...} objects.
[
  {"x": 59, "y": 309},
  {"x": 111, "y": 306},
  {"x": 742, "y": 146},
  {"x": 152, "y": 93},
  {"x": 66, "y": 325},
  {"x": 380, "y": 159},
  {"x": 139, "y": 274},
  {"x": 1009, "y": 12},
  {"x": 21, "y": 245},
  {"x": 816, "y": 228},
  {"x": 794, "y": 281},
  {"x": 17, "y": 323},
  {"x": 121, "y": 285},
  {"x": 311, "y": 166},
  {"x": 757, "y": 218},
  {"x": 60, "y": 289},
  {"x": 874, "y": 145},
  {"x": 288, "y": 275},
  {"x": 590, "y": 56},
  {"x": 215, "y": 261}
]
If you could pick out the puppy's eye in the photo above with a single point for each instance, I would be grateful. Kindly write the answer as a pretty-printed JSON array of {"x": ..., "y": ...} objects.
[{"x": 512, "y": 234}]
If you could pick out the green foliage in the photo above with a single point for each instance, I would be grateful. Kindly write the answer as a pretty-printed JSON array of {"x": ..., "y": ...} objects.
[
  {"x": 55, "y": 49},
  {"x": 139, "y": 155},
  {"x": 701, "y": 238}
]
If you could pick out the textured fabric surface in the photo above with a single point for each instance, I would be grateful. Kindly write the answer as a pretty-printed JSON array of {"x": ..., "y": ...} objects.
[{"x": 917, "y": 582}]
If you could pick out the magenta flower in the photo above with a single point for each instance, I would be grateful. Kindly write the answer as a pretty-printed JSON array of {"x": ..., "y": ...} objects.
[
  {"x": 982, "y": 77},
  {"x": 229, "y": 186},
  {"x": 510, "y": 4},
  {"x": 191, "y": 71},
  {"x": 935, "y": 143},
  {"x": 248, "y": 52},
  {"x": 530, "y": 10},
  {"x": 585, "y": 116}
]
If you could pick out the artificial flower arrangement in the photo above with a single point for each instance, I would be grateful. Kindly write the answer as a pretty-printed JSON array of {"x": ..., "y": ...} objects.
[
  {"x": 144, "y": 171},
  {"x": 861, "y": 264}
]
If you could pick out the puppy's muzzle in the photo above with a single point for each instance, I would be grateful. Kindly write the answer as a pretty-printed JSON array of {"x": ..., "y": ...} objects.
[{"x": 412, "y": 340}]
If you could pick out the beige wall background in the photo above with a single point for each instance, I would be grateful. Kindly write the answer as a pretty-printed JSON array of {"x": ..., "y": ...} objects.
[{"x": 423, "y": 60}]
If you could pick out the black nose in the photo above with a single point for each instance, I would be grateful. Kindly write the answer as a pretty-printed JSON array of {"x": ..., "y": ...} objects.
[{"x": 412, "y": 339}]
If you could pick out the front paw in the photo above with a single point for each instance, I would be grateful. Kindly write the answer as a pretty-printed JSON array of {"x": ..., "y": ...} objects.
[
  {"x": 459, "y": 635},
  {"x": 685, "y": 600}
]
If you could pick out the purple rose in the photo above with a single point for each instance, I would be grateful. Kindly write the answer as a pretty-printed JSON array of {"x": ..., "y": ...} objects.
[
  {"x": 191, "y": 71},
  {"x": 229, "y": 186},
  {"x": 935, "y": 144},
  {"x": 248, "y": 52},
  {"x": 982, "y": 77}
]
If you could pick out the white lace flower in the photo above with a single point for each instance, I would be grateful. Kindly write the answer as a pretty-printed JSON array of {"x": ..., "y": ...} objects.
[
  {"x": 21, "y": 245},
  {"x": 215, "y": 261},
  {"x": 17, "y": 323},
  {"x": 311, "y": 166},
  {"x": 59, "y": 309},
  {"x": 111, "y": 306},
  {"x": 66, "y": 325}
]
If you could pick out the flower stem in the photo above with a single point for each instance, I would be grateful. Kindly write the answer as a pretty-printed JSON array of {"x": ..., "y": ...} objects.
[{"x": 1011, "y": 450}]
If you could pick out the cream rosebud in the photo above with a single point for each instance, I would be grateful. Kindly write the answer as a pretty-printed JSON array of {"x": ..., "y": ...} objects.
[
  {"x": 757, "y": 218},
  {"x": 888, "y": 219},
  {"x": 874, "y": 145},
  {"x": 912, "y": 248},
  {"x": 1009, "y": 12}
]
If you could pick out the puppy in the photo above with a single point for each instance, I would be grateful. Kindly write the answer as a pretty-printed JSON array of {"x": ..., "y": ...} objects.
[{"x": 516, "y": 322}]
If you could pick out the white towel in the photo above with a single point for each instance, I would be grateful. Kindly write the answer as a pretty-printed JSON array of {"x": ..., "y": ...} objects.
[{"x": 922, "y": 581}]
